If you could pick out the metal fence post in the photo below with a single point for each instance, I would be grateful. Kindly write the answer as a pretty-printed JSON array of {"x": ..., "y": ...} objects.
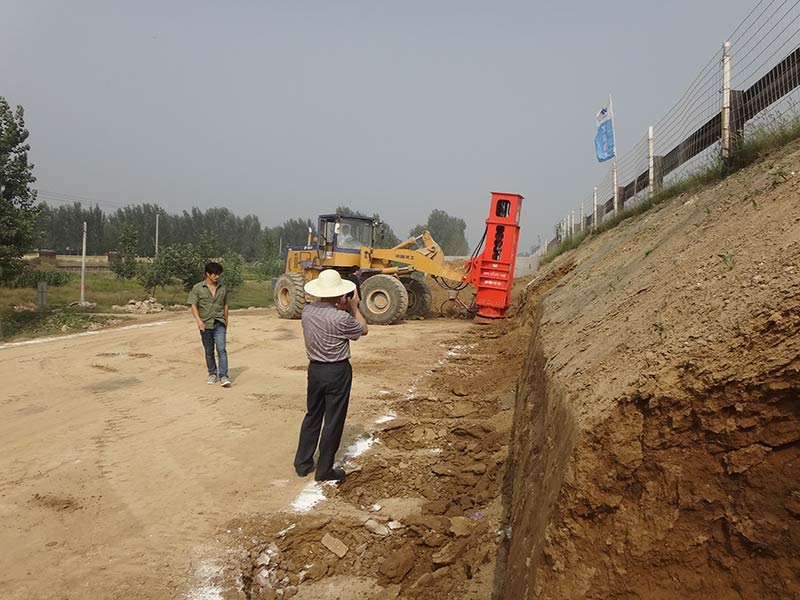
[
  {"x": 651, "y": 175},
  {"x": 594, "y": 214},
  {"x": 726, "y": 106}
]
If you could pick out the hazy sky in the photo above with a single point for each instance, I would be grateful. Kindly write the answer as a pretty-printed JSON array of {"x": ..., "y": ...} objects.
[{"x": 289, "y": 109}]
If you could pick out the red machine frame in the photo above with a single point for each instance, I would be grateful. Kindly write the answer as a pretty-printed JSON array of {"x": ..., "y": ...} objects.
[{"x": 492, "y": 273}]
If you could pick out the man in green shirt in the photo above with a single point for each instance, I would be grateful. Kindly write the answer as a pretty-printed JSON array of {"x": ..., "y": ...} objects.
[{"x": 209, "y": 300}]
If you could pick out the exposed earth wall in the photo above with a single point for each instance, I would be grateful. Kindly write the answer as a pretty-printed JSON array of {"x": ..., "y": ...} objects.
[{"x": 655, "y": 449}]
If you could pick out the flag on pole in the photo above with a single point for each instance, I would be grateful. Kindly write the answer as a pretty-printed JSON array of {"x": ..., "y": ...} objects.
[{"x": 604, "y": 139}]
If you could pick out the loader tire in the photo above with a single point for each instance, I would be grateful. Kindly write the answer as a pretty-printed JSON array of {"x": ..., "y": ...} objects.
[
  {"x": 419, "y": 297},
  {"x": 290, "y": 298},
  {"x": 384, "y": 300}
]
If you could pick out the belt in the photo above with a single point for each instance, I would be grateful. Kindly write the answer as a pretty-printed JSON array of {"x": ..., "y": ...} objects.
[{"x": 332, "y": 362}]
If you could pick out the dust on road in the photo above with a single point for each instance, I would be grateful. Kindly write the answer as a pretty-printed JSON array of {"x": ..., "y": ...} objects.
[{"x": 121, "y": 465}]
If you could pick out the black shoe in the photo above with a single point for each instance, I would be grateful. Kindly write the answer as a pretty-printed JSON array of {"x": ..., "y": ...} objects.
[
  {"x": 302, "y": 472},
  {"x": 332, "y": 475}
]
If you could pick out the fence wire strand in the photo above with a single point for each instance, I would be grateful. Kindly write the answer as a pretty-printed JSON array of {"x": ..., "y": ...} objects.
[{"x": 764, "y": 93}]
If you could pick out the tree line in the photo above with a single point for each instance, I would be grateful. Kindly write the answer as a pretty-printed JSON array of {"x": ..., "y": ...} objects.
[
  {"x": 130, "y": 232},
  {"x": 133, "y": 229}
]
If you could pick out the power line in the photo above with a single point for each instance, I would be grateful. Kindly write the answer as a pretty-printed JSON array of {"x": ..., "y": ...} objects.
[{"x": 64, "y": 198}]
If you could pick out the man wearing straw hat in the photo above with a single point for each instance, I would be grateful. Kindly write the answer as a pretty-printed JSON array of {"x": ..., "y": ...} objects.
[{"x": 328, "y": 327}]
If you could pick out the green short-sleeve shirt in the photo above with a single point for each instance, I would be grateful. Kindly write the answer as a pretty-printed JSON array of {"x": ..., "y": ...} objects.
[{"x": 210, "y": 308}]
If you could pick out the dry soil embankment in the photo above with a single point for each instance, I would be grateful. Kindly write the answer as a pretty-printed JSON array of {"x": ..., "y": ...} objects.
[{"x": 656, "y": 443}]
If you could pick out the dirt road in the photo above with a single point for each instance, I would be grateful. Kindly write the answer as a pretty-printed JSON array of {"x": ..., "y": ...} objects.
[{"x": 120, "y": 465}]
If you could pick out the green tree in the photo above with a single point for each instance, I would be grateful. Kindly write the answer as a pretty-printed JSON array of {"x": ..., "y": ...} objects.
[
  {"x": 293, "y": 232},
  {"x": 232, "y": 276},
  {"x": 123, "y": 262},
  {"x": 186, "y": 262},
  {"x": 179, "y": 261},
  {"x": 447, "y": 231},
  {"x": 270, "y": 263},
  {"x": 18, "y": 209}
]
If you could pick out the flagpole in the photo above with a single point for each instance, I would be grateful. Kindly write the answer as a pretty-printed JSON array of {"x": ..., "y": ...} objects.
[{"x": 616, "y": 145}]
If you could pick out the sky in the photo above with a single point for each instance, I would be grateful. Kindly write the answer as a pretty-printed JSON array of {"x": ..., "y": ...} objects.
[{"x": 290, "y": 109}]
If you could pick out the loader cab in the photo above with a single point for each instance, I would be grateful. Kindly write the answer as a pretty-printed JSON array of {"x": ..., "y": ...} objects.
[{"x": 347, "y": 234}]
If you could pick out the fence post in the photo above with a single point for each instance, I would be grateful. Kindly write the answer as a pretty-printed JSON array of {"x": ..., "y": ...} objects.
[
  {"x": 726, "y": 107},
  {"x": 41, "y": 296},
  {"x": 594, "y": 205},
  {"x": 651, "y": 166},
  {"x": 616, "y": 188},
  {"x": 581, "y": 228},
  {"x": 83, "y": 267}
]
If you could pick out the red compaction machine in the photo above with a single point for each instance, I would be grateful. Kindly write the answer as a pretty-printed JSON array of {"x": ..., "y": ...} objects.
[{"x": 492, "y": 272}]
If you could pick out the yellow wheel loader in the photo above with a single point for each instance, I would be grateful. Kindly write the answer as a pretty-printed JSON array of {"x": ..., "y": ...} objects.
[{"x": 390, "y": 278}]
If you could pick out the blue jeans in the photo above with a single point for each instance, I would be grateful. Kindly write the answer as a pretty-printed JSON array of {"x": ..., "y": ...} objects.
[{"x": 211, "y": 338}]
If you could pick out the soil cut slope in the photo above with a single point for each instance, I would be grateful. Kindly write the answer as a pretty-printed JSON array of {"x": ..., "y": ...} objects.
[{"x": 656, "y": 440}]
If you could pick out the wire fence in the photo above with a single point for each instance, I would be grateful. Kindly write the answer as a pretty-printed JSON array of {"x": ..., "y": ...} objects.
[{"x": 750, "y": 87}]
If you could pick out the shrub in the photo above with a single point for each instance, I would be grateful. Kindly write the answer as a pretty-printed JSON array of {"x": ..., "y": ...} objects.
[{"x": 30, "y": 278}]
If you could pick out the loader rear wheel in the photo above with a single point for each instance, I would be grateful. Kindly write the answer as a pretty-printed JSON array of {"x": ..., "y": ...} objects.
[
  {"x": 290, "y": 298},
  {"x": 419, "y": 296},
  {"x": 384, "y": 300}
]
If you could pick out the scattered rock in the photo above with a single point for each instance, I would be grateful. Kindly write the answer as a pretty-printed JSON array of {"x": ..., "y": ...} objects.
[
  {"x": 448, "y": 554},
  {"x": 334, "y": 545},
  {"x": 436, "y": 507},
  {"x": 442, "y": 470},
  {"x": 423, "y": 580},
  {"x": 316, "y": 571},
  {"x": 397, "y": 565},
  {"x": 375, "y": 527},
  {"x": 459, "y": 390},
  {"x": 262, "y": 578},
  {"x": 142, "y": 307},
  {"x": 460, "y": 526},
  {"x": 462, "y": 409}
]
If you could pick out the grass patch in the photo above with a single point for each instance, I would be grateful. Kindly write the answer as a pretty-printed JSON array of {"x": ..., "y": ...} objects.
[
  {"x": 762, "y": 143},
  {"x": 569, "y": 243},
  {"x": 31, "y": 323},
  {"x": 106, "y": 290},
  {"x": 252, "y": 293}
]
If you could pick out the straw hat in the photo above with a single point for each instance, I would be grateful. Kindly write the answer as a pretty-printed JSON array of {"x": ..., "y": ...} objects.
[{"x": 329, "y": 284}]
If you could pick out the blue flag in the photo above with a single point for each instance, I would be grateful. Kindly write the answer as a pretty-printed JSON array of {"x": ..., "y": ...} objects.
[{"x": 604, "y": 139}]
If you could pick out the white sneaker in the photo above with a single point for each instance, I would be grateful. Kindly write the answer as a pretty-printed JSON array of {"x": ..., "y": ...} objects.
[
  {"x": 212, "y": 379},
  {"x": 225, "y": 381}
]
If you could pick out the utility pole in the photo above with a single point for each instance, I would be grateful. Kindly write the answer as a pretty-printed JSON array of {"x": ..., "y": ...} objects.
[
  {"x": 156, "y": 235},
  {"x": 83, "y": 268}
]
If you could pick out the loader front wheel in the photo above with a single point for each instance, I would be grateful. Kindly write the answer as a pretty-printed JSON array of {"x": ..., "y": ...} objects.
[
  {"x": 419, "y": 296},
  {"x": 290, "y": 298},
  {"x": 384, "y": 300}
]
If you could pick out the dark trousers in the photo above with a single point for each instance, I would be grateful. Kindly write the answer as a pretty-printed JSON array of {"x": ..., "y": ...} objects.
[{"x": 328, "y": 398}]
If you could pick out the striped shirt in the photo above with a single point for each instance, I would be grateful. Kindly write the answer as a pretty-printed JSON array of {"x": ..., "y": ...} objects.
[{"x": 327, "y": 332}]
